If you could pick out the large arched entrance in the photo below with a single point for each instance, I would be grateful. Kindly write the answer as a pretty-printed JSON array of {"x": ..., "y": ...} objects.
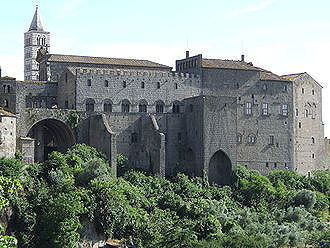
[
  {"x": 220, "y": 168},
  {"x": 50, "y": 135}
]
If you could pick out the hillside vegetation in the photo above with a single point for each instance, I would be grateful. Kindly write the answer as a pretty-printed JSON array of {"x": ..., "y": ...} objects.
[{"x": 56, "y": 198}]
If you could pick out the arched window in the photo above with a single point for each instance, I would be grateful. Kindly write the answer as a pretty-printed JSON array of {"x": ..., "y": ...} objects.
[
  {"x": 176, "y": 107},
  {"x": 134, "y": 138},
  {"x": 90, "y": 105},
  {"x": 239, "y": 138},
  {"x": 125, "y": 106},
  {"x": 107, "y": 106},
  {"x": 106, "y": 83},
  {"x": 43, "y": 40},
  {"x": 252, "y": 138},
  {"x": 160, "y": 106},
  {"x": 143, "y": 106},
  {"x": 6, "y": 103}
]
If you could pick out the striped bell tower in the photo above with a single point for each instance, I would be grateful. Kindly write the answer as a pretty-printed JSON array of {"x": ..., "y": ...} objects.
[{"x": 34, "y": 39}]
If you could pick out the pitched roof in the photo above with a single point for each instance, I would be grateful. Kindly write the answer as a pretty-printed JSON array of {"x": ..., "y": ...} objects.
[
  {"x": 228, "y": 64},
  {"x": 292, "y": 76},
  {"x": 269, "y": 76},
  {"x": 107, "y": 61},
  {"x": 36, "y": 24}
]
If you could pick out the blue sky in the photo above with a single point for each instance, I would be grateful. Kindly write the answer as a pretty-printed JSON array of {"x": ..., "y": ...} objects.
[{"x": 284, "y": 36}]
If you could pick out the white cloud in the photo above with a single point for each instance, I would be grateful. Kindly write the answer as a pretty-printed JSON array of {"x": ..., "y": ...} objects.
[{"x": 261, "y": 5}]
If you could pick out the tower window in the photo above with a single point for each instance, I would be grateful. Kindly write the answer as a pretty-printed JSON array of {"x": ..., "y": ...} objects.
[
  {"x": 302, "y": 90},
  {"x": 176, "y": 86},
  {"x": 313, "y": 92},
  {"x": 6, "y": 103},
  {"x": 158, "y": 85},
  {"x": 264, "y": 109},
  {"x": 299, "y": 124},
  {"x": 296, "y": 112},
  {"x": 313, "y": 155},
  {"x": 125, "y": 106},
  {"x": 106, "y": 83},
  {"x": 285, "y": 109},
  {"x": 306, "y": 112},
  {"x": 271, "y": 140},
  {"x": 142, "y": 108},
  {"x": 89, "y": 82},
  {"x": 275, "y": 165},
  {"x": 239, "y": 138},
  {"x": 90, "y": 105},
  {"x": 124, "y": 84},
  {"x": 142, "y": 85},
  {"x": 313, "y": 140},
  {"x": 159, "y": 107},
  {"x": 248, "y": 108},
  {"x": 251, "y": 139},
  {"x": 134, "y": 138}
]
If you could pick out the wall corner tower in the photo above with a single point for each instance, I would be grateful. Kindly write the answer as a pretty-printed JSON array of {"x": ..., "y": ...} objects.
[{"x": 35, "y": 38}]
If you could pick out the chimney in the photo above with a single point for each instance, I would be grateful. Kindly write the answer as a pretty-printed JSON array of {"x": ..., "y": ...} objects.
[
  {"x": 187, "y": 54},
  {"x": 242, "y": 57}
]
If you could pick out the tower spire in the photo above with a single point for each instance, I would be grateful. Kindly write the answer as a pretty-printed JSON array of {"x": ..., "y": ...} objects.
[{"x": 36, "y": 23}]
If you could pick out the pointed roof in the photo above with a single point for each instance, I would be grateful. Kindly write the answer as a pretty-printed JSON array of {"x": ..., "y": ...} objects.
[{"x": 36, "y": 24}]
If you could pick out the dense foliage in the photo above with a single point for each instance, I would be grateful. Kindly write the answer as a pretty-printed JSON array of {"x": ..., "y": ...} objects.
[{"x": 64, "y": 195}]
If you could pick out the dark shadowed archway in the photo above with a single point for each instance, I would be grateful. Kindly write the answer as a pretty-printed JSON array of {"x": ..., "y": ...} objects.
[
  {"x": 220, "y": 168},
  {"x": 190, "y": 163},
  {"x": 50, "y": 135}
]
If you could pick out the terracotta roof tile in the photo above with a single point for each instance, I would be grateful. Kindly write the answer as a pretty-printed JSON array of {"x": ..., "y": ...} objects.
[{"x": 107, "y": 61}]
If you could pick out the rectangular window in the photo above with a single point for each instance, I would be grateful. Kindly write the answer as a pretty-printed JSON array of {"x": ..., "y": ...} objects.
[
  {"x": 66, "y": 104},
  {"x": 285, "y": 110},
  {"x": 296, "y": 112},
  {"x": 264, "y": 109},
  {"x": 271, "y": 140},
  {"x": 248, "y": 108},
  {"x": 89, "y": 82}
]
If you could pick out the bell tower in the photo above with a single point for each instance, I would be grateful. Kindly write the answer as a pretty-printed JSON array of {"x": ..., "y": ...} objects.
[{"x": 34, "y": 39}]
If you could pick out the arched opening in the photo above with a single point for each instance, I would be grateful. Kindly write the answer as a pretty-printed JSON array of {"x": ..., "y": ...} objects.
[
  {"x": 143, "y": 106},
  {"x": 190, "y": 163},
  {"x": 50, "y": 135},
  {"x": 125, "y": 106},
  {"x": 176, "y": 107},
  {"x": 220, "y": 168},
  {"x": 90, "y": 103},
  {"x": 107, "y": 106},
  {"x": 160, "y": 106}
]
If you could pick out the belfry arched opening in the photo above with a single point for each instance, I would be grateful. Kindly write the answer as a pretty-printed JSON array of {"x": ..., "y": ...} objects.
[
  {"x": 50, "y": 135},
  {"x": 220, "y": 168}
]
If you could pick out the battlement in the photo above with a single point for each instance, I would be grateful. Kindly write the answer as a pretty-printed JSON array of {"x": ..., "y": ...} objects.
[{"x": 119, "y": 72}]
